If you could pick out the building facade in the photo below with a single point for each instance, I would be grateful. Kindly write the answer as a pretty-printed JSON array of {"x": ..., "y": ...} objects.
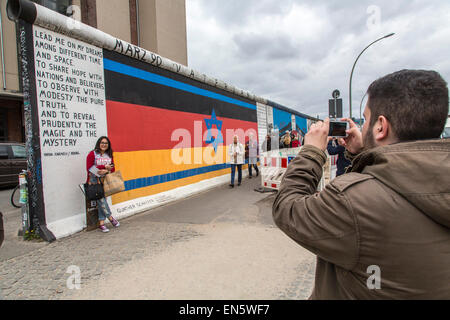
[{"x": 156, "y": 25}]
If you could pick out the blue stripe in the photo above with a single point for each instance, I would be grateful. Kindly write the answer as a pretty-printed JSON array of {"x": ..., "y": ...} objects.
[
  {"x": 151, "y": 181},
  {"x": 151, "y": 77}
]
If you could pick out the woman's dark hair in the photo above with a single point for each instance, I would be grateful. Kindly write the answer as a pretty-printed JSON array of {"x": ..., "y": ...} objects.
[
  {"x": 109, "y": 151},
  {"x": 414, "y": 101}
]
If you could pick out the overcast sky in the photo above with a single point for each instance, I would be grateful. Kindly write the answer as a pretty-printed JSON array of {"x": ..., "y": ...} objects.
[{"x": 296, "y": 52}]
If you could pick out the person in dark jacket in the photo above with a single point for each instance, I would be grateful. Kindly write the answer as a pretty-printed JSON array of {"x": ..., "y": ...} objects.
[
  {"x": 382, "y": 230},
  {"x": 252, "y": 153},
  {"x": 342, "y": 163},
  {"x": 267, "y": 144}
]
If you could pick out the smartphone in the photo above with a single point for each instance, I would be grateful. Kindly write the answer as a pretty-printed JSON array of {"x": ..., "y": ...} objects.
[{"x": 338, "y": 129}]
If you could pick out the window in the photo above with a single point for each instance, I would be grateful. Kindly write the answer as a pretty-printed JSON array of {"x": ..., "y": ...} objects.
[
  {"x": 19, "y": 152},
  {"x": 4, "y": 152},
  {"x": 59, "y": 6}
]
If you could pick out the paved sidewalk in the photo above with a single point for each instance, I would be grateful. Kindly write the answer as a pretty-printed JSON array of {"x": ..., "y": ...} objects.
[
  {"x": 221, "y": 244},
  {"x": 13, "y": 246}
]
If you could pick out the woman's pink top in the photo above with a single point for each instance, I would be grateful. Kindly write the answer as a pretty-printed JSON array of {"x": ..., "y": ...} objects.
[{"x": 99, "y": 161}]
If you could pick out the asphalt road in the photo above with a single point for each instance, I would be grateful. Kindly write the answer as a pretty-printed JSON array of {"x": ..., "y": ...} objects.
[{"x": 5, "y": 200}]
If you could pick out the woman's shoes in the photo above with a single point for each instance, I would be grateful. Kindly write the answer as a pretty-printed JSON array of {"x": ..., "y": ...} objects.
[
  {"x": 114, "y": 222},
  {"x": 103, "y": 229}
]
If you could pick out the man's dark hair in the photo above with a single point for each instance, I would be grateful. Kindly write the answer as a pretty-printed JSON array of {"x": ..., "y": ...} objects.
[
  {"x": 109, "y": 151},
  {"x": 414, "y": 101}
]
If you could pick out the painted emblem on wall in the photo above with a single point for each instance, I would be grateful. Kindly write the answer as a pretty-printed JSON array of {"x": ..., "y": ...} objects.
[{"x": 209, "y": 125}]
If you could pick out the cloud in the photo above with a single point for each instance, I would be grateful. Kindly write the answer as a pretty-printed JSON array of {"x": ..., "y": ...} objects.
[
  {"x": 297, "y": 52},
  {"x": 254, "y": 45}
]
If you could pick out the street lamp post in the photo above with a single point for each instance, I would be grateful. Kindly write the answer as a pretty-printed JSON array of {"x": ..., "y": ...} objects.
[
  {"x": 360, "y": 112},
  {"x": 354, "y": 65}
]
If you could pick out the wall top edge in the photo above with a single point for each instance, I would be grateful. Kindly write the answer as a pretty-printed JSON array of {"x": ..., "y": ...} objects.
[{"x": 33, "y": 13}]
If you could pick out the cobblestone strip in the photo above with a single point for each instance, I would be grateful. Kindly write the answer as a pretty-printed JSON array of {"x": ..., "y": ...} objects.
[
  {"x": 41, "y": 275},
  {"x": 302, "y": 287}
]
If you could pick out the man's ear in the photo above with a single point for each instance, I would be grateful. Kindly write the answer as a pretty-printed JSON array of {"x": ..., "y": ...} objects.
[{"x": 382, "y": 130}]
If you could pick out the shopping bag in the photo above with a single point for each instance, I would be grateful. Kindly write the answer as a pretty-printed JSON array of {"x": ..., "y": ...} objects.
[{"x": 113, "y": 183}]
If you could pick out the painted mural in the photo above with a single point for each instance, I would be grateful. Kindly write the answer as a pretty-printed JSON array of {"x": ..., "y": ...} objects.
[
  {"x": 291, "y": 128},
  {"x": 167, "y": 130},
  {"x": 169, "y": 125}
]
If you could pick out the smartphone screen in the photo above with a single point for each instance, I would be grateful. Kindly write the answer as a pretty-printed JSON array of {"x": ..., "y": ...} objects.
[{"x": 337, "y": 129}]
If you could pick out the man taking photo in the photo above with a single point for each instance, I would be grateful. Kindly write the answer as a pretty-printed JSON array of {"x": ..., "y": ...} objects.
[{"x": 381, "y": 231}]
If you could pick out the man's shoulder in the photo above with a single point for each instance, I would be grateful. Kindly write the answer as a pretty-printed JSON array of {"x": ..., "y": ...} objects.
[{"x": 345, "y": 181}]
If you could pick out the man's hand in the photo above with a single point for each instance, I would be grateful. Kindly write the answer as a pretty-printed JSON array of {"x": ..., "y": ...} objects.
[
  {"x": 102, "y": 172},
  {"x": 354, "y": 142},
  {"x": 318, "y": 135}
]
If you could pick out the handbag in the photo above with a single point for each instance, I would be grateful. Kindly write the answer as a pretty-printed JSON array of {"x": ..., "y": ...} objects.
[
  {"x": 94, "y": 191},
  {"x": 113, "y": 183}
]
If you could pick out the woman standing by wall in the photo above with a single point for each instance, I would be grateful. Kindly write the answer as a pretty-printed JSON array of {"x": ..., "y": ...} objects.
[{"x": 99, "y": 163}]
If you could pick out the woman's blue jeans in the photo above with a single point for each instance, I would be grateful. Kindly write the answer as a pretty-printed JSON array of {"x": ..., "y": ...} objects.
[{"x": 104, "y": 212}]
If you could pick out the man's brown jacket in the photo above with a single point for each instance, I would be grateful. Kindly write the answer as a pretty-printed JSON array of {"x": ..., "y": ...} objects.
[{"x": 390, "y": 211}]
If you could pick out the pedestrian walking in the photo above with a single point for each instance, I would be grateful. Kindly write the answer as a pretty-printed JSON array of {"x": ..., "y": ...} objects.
[
  {"x": 237, "y": 153},
  {"x": 382, "y": 230},
  {"x": 334, "y": 148},
  {"x": 99, "y": 163},
  {"x": 267, "y": 144},
  {"x": 253, "y": 152}
]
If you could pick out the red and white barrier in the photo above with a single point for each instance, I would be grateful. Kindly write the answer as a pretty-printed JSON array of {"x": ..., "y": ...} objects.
[
  {"x": 273, "y": 169},
  {"x": 274, "y": 166},
  {"x": 334, "y": 160},
  {"x": 333, "y": 166}
]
